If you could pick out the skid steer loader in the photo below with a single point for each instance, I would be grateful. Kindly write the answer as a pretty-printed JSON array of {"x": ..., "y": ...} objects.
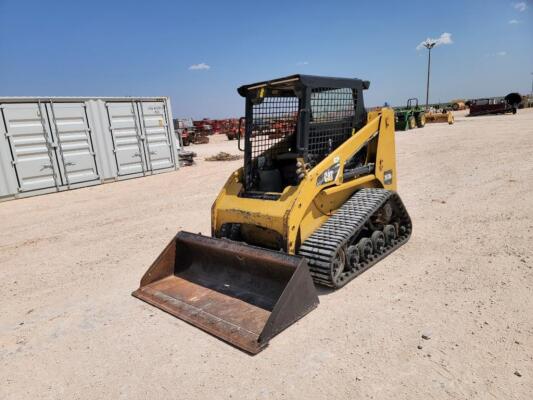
[{"x": 315, "y": 201}]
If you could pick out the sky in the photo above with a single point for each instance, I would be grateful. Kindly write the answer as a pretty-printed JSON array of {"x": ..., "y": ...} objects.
[{"x": 199, "y": 52}]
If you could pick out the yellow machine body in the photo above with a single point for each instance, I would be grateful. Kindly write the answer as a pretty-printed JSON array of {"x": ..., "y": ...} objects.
[{"x": 301, "y": 209}]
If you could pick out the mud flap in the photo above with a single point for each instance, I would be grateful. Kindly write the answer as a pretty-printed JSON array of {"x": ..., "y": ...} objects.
[{"x": 242, "y": 294}]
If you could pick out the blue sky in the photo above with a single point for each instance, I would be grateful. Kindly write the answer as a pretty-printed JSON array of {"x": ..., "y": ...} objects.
[{"x": 131, "y": 48}]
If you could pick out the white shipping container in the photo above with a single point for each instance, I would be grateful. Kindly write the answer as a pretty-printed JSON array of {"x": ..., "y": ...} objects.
[{"x": 60, "y": 143}]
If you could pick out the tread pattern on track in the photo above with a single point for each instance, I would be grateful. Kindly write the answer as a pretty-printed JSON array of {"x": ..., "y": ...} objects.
[{"x": 346, "y": 223}]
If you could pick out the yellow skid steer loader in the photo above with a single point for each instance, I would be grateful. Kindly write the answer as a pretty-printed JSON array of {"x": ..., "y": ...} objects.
[{"x": 315, "y": 201}]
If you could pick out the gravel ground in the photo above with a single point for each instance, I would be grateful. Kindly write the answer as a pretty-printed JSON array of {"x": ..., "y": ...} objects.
[{"x": 69, "y": 328}]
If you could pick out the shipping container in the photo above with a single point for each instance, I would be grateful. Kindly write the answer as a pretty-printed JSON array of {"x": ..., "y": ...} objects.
[{"x": 60, "y": 143}]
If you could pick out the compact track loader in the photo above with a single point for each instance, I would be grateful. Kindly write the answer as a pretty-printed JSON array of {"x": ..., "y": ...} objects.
[{"x": 315, "y": 201}]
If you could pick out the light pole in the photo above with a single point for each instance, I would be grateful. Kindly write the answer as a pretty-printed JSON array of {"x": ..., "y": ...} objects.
[{"x": 429, "y": 44}]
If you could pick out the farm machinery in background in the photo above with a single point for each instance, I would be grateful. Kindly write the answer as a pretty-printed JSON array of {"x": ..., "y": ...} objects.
[
  {"x": 414, "y": 116},
  {"x": 507, "y": 104},
  {"x": 230, "y": 127},
  {"x": 456, "y": 105},
  {"x": 442, "y": 113},
  {"x": 409, "y": 117},
  {"x": 198, "y": 132},
  {"x": 187, "y": 132},
  {"x": 183, "y": 128},
  {"x": 203, "y": 129},
  {"x": 436, "y": 115}
]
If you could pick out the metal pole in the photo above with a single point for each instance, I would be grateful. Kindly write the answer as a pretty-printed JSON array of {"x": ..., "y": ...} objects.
[
  {"x": 427, "y": 85},
  {"x": 428, "y": 44}
]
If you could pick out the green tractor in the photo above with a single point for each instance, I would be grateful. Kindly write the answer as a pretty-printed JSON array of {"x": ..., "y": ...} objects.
[{"x": 410, "y": 117}]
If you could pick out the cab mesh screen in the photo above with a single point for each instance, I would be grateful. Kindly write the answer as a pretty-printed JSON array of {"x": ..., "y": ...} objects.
[
  {"x": 331, "y": 121},
  {"x": 274, "y": 126}
]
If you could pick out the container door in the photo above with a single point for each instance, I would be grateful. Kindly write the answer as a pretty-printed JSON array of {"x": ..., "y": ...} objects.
[
  {"x": 156, "y": 133},
  {"x": 32, "y": 147},
  {"x": 73, "y": 139},
  {"x": 127, "y": 140}
]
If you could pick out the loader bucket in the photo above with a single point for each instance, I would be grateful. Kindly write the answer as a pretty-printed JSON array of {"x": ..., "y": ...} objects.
[{"x": 242, "y": 294}]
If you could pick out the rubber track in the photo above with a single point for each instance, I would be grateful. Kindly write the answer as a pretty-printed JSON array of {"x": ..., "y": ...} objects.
[{"x": 347, "y": 222}]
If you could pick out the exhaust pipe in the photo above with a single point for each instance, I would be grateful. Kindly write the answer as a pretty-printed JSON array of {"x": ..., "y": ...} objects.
[{"x": 239, "y": 293}]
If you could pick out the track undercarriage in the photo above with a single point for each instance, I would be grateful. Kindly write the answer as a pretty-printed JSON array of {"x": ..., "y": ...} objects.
[{"x": 369, "y": 226}]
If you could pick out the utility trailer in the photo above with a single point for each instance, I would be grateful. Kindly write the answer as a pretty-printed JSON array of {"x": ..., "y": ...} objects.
[{"x": 509, "y": 104}]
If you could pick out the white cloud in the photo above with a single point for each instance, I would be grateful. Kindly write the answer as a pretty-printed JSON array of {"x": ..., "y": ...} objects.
[
  {"x": 497, "y": 54},
  {"x": 521, "y": 6},
  {"x": 445, "y": 38},
  {"x": 514, "y": 21},
  {"x": 302, "y": 63},
  {"x": 199, "y": 67}
]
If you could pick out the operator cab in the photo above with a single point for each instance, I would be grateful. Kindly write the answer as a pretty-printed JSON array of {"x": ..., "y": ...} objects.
[{"x": 292, "y": 124}]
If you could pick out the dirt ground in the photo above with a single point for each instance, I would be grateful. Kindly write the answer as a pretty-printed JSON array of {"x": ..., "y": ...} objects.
[{"x": 69, "y": 328}]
